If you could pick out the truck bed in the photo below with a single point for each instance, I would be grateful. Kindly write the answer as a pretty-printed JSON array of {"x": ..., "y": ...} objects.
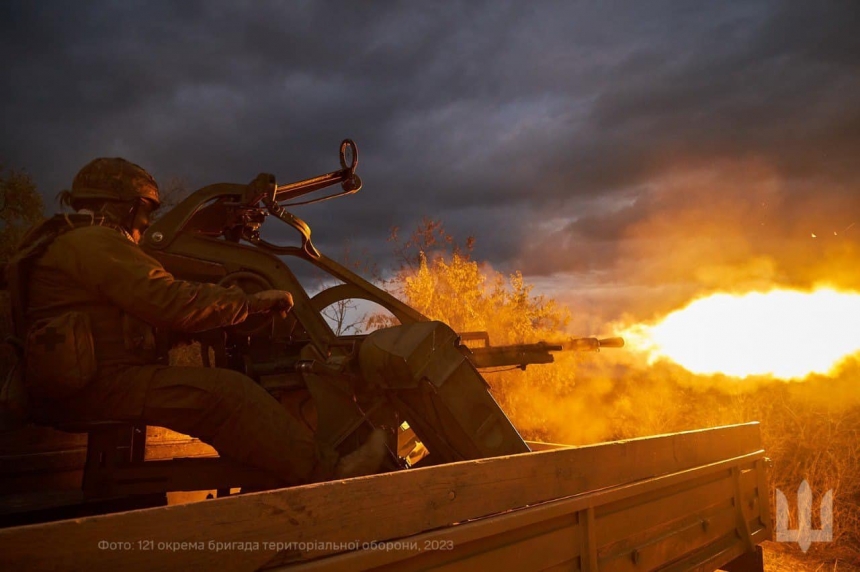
[{"x": 686, "y": 501}]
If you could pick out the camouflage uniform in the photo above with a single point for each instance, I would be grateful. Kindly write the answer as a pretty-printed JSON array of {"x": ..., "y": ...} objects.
[{"x": 100, "y": 271}]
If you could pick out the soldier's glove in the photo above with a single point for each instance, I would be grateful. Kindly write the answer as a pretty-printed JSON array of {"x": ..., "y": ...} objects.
[{"x": 270, "y": 300}]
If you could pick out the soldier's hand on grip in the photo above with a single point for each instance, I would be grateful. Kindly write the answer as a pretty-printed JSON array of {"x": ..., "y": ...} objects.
[{"x": 270, "y": 300}]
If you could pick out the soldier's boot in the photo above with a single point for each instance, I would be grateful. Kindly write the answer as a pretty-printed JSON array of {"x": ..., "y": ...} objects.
[{"x": 366, "y": 460}]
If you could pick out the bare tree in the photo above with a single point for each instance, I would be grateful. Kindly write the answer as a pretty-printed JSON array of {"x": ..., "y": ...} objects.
[
  {"x": 172, "y": 192},
  {"x": 21, "y": 207},
  {"x": 344, "y": 315}
]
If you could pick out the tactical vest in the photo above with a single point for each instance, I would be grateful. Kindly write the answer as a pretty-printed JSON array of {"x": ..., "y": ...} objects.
[
  {"x": 14, "y": 392},
  {"x": 33, "y": 246}
]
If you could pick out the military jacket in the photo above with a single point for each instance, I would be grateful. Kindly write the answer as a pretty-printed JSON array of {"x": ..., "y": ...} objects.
[{"x": 100, "y": 271}]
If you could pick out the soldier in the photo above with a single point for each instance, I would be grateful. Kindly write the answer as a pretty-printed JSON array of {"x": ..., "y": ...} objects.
[{"x": 88, "y": 298}]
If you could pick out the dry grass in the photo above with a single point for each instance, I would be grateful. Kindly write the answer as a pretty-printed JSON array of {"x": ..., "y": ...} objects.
[
  {"x": 779, "y": 558},
  {"x": 810, "y": 431}
]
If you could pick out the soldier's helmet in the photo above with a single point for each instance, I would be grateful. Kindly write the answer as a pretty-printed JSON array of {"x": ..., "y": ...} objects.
[{"x": 114, "y": 179}]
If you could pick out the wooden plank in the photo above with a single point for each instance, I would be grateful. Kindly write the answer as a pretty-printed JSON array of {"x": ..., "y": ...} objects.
[
  {"x": 541, "y": 446},
  {"x": 588, "y": 551},
  {"x": 570, "y": 566},
  {"x": 188, "y": 474},
  {"x": 700, "y": 520},
  {"x": 64, "y": 480},
  {"x": 161, "y": 435},
  {"x": 74, "y": 459},
  {"x": 52, "y": 461},
  {"x": 709, "y": 557},
  {"x": 693, "y": 517},
  {"x": 491, "y": 547},
  {"x": 536, "y": 552},
  {"x": 762, "y": 471},
  {"x": 42, "y": 449},
  {"x": 487, "y": 532},
  {"x": 37, "y": 439},
  {"x": 467, "y": 538},
  {"x": 660, "y": 515},
  {"x": 370, "y": 508},
  {"x": 47, "y": 460},
  {"x": 178, "y": 449},
  {"x": 715, "y": 555},
  {"x": 627, "y": 503},
  {"x": 675, "y": 544},
  {"x": 11, "y": 504},
  {"x": 751, "y": 498}
]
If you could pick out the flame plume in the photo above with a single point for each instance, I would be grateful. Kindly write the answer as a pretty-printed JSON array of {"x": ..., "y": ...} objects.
[{"x": 786, "y": 334}]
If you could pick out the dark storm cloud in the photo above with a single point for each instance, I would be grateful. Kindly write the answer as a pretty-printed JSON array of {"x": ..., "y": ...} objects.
[
  {"x": 764, "y": 121},
  {"x": 521, "y": 123}
]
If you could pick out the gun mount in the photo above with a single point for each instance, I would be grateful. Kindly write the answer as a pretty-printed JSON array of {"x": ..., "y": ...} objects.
[
  {"x": 419, "y": 372},
  {"x": 683, "y": 501}
]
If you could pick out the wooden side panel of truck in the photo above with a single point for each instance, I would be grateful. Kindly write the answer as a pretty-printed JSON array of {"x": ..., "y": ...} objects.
[{"x": 687, "y": 501}]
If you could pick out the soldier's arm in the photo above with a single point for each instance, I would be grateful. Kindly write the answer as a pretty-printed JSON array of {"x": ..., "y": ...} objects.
[{"x": 126, "y": 276}]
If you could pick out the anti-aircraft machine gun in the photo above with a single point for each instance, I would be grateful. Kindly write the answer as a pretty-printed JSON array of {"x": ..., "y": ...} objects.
[
  {"x": 695, "y": 500},
  {"x": 419, "y": 372}
]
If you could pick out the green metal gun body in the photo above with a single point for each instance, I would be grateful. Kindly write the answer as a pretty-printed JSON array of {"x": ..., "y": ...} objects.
[{"x": 522, "y": 355}]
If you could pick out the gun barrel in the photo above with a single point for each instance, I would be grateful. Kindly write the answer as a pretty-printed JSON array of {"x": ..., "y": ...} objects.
[
  {"x": 592, "y": 344},
  {"x": 612, "y": 342},
  {"x": 519, "y": 355}
]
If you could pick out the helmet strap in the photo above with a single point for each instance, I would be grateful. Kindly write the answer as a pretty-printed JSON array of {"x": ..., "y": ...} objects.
[
  {"x": 120, "y": 215},
  {"x": 131, "y": 216}
]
